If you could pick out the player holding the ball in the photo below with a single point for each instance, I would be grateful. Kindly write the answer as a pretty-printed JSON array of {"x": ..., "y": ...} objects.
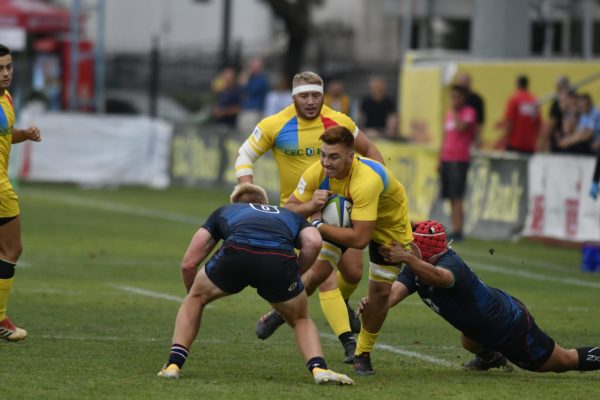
[{"x": 379, "y": 217}]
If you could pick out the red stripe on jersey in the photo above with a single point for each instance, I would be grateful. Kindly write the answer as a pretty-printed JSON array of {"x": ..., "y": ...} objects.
[{"x": 328, "y": 122}]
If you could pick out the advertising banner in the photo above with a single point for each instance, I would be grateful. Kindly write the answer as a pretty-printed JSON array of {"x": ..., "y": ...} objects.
[{"x": 559, "y": 204}]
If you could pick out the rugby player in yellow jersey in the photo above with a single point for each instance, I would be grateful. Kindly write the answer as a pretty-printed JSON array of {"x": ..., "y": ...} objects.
[
  {"x": 10, "y": 224},
  {"x": 293, "y": 136},
  {"x": 379, "y": 218}
]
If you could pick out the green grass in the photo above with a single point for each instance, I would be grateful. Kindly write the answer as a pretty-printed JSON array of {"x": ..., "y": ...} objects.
[{"x": 91, "y": 339}]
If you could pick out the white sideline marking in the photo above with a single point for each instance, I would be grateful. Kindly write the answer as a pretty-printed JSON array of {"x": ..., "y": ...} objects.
[
  {"x": 116, "y": 207},
  {"x": 535, "y": 276},
  {"x": 399, "y": 350},
  {"x": 151, "y": 293},
  {"x": 148, "y": 293}
]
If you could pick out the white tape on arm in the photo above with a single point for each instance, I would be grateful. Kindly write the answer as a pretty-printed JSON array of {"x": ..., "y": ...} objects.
[{"x": 244, "y": 162}]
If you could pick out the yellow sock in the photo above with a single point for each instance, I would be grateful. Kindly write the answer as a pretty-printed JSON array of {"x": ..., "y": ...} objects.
[
  {"x": 5, "y": 286},
  {"x": 366, "y": 342},
  {"x": 334, "y": 308},
  {"x": 346, "y": 288}
]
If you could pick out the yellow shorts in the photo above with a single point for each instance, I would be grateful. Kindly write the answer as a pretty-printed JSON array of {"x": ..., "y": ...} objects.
[{"x": 9, "y": 204}]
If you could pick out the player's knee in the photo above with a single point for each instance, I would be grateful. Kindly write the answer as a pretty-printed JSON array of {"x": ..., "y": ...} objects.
[
  {"x": 11, "y": 251},
  {"x": 352, "y": 275}
]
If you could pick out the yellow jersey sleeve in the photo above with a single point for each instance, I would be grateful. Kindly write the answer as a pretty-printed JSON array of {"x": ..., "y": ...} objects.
[
  {"x": 262, "y": 138},
  {"x": 365, "y": 199},
  {"x": 309, "y": 182}
]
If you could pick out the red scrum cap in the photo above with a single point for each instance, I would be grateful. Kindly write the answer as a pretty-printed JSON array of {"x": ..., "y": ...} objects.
[{"x": 430, "y": 238}]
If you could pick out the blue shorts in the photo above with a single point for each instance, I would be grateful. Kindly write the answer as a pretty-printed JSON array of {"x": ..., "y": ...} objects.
[
  {"x": 532, "y": 347},
  {"x": 274, "y": 273}
]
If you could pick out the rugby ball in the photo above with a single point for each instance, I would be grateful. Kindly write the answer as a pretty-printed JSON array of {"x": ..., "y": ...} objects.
[{"x": 337, "y": 211}]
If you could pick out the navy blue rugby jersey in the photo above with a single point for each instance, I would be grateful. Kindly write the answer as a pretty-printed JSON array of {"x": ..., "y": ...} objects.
[
  {"x": 483, "y": 313},
  {"x": 256, "y": 225}
]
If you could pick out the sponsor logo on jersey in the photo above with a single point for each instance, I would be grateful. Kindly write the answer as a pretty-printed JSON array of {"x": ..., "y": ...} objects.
[
  {"x": 301, "y": 186},
  {"x": 257, "y": 134},
  {"x": 309, "y": 152}
]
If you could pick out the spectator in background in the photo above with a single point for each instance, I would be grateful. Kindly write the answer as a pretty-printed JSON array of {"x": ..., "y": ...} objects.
[
  {"x": 229, "y": 98},
  {"x": 336, "y": 98},
  {"x": 278, "y": 98},
  {"x": 522, "y": 120},
  {"x": 587, "y": 125},
  {"x": 378, "y": 112},
  {"x": 255, "y": 88},
  {"x": 475, "y": 101},
  {"x": 460, "y": 124},
  {"x": 554, "y": 126}
]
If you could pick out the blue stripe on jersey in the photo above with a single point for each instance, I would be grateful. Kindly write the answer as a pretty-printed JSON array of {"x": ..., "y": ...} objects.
[
  {"x": 288, "y": 135},
  {"x": 3, "y": 121},
  {"x": 378, "y": 168},
  {"x": 325, "y": 184}
]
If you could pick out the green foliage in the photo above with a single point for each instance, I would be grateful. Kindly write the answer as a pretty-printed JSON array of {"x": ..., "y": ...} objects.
[{"x": 91, "y": 338}]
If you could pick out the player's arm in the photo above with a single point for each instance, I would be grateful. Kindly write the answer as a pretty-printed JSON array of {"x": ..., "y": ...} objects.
[
  {"x": 314, "y": 205},
  {"x": 201, "y": 245},
  {"x": 428, "y": 273},
  {"x": 309, "y": 242},
  {"x": 357, "y": 236},
  {"x": 365, "y": 147},
  {"x": 254, "y": 147},
  {"x": 20, "y": 135}
]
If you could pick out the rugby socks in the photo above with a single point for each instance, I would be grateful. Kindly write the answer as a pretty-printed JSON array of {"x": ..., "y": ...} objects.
[
  {"x": 589, "y": 358},
  {"x": 334, "y": 309},
  {"x": 7, "y": 277},
  {"x": 178, "y": 355},
  {"x": 346, "y": 288},
  {"x": 316, "y": 362},
  {"x": 366, "y": 342},
  {"x": 346, "y": 337}
]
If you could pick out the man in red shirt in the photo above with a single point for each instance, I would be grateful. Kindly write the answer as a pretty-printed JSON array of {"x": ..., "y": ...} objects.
[{"x": 522, "y": 120}]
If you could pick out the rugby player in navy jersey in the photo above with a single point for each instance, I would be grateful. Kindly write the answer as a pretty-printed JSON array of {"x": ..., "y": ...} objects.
[
  {"x": 495, "y": 326},
  {"x": 258, "y": 251}
]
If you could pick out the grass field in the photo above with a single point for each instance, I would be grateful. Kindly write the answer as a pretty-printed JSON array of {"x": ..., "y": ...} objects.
[{"x": 99, "y": 286}]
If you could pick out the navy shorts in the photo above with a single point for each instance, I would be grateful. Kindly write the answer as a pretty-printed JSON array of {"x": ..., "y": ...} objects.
[
  {"x": 274, "y": 273},
  {"x": 531, "y": 349},
  {"x": 454, "y": 179}
]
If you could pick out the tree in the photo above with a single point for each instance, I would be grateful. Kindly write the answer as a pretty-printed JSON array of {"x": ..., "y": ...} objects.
[{"x": 295, "y": 15}]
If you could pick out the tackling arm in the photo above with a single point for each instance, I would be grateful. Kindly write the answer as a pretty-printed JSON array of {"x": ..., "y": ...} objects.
[
  {"x": 309, "y": 242},
  {"x": 201, "y": 245},
  {"x": 428, "y": 273}
]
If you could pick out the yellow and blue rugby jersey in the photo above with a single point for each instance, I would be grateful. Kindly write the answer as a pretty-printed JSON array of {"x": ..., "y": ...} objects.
[
  {"x": 375, "y": 193},
  {"x": 295, "y": 142},
  {"x": 7, "y": 120}
]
